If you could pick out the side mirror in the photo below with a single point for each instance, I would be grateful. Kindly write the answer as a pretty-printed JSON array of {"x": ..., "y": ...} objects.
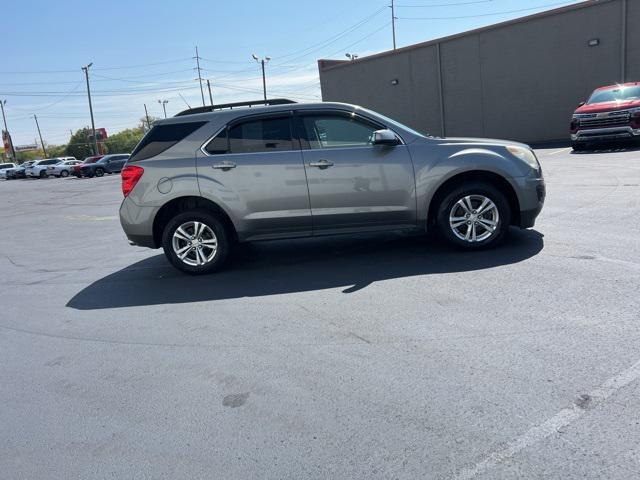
[
  {"x": 385, "y": 137},
  {"x": 581, "y": 104}
]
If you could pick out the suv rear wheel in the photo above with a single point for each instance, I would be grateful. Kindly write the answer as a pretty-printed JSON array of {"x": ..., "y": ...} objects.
[
  {"x": 196, "y": 242},
  {"x": 474, "y": 216}
]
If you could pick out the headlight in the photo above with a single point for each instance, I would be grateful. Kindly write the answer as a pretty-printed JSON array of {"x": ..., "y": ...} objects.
[{"x": 526, "y": 155}]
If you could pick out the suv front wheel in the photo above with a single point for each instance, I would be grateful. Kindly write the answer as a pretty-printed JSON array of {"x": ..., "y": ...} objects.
[
  {"x": 196, "y": 242},
  {"x": 474, "y": 216}
]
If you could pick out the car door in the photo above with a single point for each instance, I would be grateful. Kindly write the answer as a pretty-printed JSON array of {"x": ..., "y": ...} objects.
[
  {"x": 118, "y": 162},
  {"x": 353, "y": 184},
  {"x": 254, "y": 168}
]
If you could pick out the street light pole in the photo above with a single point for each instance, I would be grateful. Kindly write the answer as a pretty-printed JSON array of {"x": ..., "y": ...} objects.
[
  {"x": 262, "y": 62},
  {"x": 210, "y": 96},
  {"x": 6, "y": 129},
  {"x": 44, "y": 149},
  {"x": 164, "y": 108},
  {"x": 393, "y": 22},
  {"x": 93, "y": 123}
]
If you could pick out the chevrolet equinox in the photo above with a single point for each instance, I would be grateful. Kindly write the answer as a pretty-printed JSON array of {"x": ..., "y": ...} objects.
[{"x": 212, "y": 176}]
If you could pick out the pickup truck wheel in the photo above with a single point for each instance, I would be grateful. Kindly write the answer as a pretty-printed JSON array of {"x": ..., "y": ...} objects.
[
  {"x": 99, "y": 172},
  {"x": 474, "y": 216},
  {"x": 578, "y": 146},
  {"x": 196, "y": 242}
]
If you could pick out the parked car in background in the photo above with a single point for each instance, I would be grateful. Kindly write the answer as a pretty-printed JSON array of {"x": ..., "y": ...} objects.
[
  {"x": 38, "y": 169},
  {"x": 300, "y": 170},
  {"x": 77, "y": 169},
  {"x": 19, "y": 171},
  {"x": 107, "y": 164},
  {"x": 4, "y": 167},
  {"x": 62, "y": 169},
  {"x": 611, "y": 114}
]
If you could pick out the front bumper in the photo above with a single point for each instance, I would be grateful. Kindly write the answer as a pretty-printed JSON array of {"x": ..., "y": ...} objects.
[
  {"x": 603, "y": 134},
  {"x": 532, "y": 192}
]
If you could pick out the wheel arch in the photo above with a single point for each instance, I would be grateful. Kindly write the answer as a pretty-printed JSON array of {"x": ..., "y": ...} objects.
[
  {"x": 461, "y": 178},
  {"x": 184, "y": 204}
]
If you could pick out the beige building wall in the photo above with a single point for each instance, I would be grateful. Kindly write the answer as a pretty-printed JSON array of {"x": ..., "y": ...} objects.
[{"x": 519, "y": 80}]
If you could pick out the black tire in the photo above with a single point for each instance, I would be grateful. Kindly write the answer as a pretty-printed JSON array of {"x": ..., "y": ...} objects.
[
  {"x": 43, "y": 174},
  {"x": 64, "y": 174},
  {"x": 211, "y": 221},
  {"x": 478, "y": 189},
  {"x": 99, "y": 172},
  {"x": 578, "y": 146}
]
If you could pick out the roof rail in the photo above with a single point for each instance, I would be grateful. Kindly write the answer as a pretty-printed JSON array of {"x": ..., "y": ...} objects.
[{"x": 211, "y": 108}]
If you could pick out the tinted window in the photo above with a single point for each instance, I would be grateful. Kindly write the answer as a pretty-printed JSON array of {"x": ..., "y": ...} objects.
[
  {"x": 266, "y": 135},
  {"x": 6, "y": 165},
  {"x": 335, "y": 131},
  {"x": 163, "y": 137},
  {"x": 219, "y": 144}
]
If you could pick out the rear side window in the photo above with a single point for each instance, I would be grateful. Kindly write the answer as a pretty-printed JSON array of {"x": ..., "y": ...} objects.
[
  {"x": 161, "y": 138},
  {"x": 266, "y": 135}
]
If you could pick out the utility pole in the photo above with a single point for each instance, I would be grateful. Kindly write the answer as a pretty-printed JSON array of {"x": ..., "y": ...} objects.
[
  {"x": 44, "y": 149},
  {"x": 197, "y": 57},
  {"x": 6, "y": 129},
  {"x": 210, "y": 96},
  {"x": 93, "y": 123},
  {"x": 164, "y": 106},
  {"x": 263, "y": 61},
  {"x": 146, "y": 114},
  {"x": 393, "y": 22}
]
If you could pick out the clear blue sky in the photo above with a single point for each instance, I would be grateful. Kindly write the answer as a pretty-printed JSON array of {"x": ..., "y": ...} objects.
[{"x": 142, "y": 51}]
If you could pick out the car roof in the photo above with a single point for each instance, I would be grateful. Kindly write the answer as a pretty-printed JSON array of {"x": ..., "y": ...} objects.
[{"x": 231, "y": 114}]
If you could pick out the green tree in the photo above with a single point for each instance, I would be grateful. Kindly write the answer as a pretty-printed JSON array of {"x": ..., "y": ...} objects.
[
  {"x": 124, "y": 141},
  {"x": 79, "y": 145}
]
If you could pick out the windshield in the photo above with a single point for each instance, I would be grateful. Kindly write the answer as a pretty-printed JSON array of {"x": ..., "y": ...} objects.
[
  {"x": 396, "y": 124},
  {"x": 615, "y": 95},
  {"x": 90, "y": 160}
]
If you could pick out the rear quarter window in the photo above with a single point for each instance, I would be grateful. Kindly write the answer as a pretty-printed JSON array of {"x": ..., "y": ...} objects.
[{"x": 161, "y": 138}]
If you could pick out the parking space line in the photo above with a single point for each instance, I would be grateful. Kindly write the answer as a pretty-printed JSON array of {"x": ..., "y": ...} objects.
[
  {"x": 560, "y": 420},
  {"x": 559, "y": 151}
]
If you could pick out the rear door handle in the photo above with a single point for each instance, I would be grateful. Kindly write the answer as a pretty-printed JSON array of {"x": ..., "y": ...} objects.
[
  {"x": 224, "y": 166},
  {"x": 321, "y": 164}
]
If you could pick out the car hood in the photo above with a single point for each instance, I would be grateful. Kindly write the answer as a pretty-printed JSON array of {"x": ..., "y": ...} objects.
[
  {"x": 481, "y": 142},
  {"x": 608, "y": 106}
]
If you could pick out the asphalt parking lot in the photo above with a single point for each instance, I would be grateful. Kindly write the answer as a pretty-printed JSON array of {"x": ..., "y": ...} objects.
[{"x": 384, "y": 356}]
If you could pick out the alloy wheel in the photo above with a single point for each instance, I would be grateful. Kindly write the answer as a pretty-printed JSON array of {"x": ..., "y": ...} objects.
[
  {"x": 195, "y": 243},
  {"x": 474, "y": 218}
]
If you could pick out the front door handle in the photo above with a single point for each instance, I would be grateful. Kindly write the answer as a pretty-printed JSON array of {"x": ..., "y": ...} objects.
[
  {"x": 321, "y": 164},
  {"x": 224, "y": 166}
]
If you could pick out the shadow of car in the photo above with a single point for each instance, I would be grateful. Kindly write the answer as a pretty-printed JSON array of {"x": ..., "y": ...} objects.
[{"x": 281, "y": 267}]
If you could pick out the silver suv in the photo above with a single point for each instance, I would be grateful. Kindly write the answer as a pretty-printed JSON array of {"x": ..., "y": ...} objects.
[{"x": 210, "y": 177}]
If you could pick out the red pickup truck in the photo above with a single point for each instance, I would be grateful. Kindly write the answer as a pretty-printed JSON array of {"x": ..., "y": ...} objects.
[{"x": 612, "y": 113}]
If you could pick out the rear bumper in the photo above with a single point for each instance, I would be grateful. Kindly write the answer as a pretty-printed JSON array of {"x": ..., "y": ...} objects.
[
  {"x": 137, "y": 223},
  {"x": 603, "y": 134}
]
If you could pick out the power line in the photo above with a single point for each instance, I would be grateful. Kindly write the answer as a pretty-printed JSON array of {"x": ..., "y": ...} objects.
[
  {"x": 487, "y": 14},
  {"x": 443, "y": 4}
]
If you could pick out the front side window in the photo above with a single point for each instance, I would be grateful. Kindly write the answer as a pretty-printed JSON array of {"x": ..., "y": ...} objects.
[
  {"x": 337, "y": 131},
  {"x": 265, "y": 135}
]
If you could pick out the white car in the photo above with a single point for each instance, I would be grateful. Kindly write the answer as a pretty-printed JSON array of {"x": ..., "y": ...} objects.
[
  {"x": 39, "y": 168},
  {"x": 62, "y": 169},
  {"x": 4, "y": 167}
]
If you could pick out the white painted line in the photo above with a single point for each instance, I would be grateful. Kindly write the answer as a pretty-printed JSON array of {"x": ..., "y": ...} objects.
[
  {"x": 559, "y": 151},
  {"x": 560, "y": 420}
]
